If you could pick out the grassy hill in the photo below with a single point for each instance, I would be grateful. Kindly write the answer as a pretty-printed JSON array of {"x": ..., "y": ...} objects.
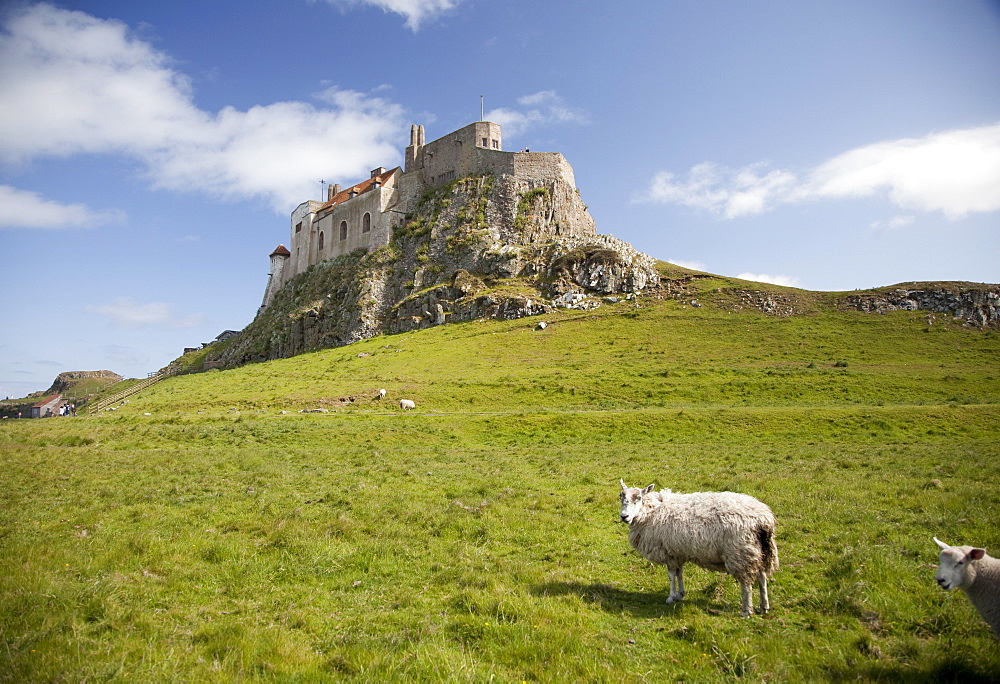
[{"x": 208, "y": 529}]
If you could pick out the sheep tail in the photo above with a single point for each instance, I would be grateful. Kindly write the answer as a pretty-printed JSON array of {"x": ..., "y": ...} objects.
[{"x": 768, "y": 549}]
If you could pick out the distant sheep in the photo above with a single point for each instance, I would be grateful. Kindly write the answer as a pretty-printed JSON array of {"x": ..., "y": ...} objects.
[
  {"x": 406, "y": 404},
  {"x": 977, "y": 574},
  {"x": 380, "y": 394},
  {"x": 721, "y": 531}
]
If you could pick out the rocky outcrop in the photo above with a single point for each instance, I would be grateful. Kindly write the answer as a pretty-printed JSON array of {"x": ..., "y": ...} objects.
[
  {"x": 65, "y": 381},
  {"x": 977, "y": 305},
  {"x": 475, "y": 248}
]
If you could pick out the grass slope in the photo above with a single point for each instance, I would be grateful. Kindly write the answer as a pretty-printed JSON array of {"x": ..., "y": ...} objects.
[{"x": 201, "y": 533}]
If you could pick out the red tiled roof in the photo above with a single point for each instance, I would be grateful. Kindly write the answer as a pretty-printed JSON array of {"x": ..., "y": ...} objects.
[
  {"x": 360, "y": 188},
  {"x": 280, "y": 250}
]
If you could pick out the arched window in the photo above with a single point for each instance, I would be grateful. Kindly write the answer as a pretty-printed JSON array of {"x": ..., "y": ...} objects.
[
  {"x": 343, "y": 230},
  {"x": 321, "y": 236},
  {"x": 366, "y": 223}
]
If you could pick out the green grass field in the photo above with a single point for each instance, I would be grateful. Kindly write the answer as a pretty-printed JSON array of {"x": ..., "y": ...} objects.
[{"x": 201, "y": 532}]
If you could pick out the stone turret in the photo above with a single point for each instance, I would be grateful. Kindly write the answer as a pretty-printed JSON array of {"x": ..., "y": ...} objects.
[{"x": 279, "y": 257}]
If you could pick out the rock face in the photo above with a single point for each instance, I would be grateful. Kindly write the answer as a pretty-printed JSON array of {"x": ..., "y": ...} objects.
[
  {"x": 474, "y": 248},
  {"x": 66, "y": 380},
  {"x": 975, "y": 305}
]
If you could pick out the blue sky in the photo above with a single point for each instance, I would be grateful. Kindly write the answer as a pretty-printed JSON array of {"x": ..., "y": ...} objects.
[{"x": 151, "y": 153}]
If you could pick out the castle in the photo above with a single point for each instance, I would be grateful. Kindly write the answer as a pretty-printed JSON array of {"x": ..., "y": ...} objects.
[{"x": 363, "y": 215}]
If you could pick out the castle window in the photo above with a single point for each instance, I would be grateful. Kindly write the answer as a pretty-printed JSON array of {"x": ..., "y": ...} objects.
[
  {"x": 366, "y": 223},
  {"x": 343, "y": 230},
  {"x": 496, "y": 144},
  {"x": 298, "y": 227},
  {"x": 321, "y": 238},
  {"x": 486, "y": 142}
]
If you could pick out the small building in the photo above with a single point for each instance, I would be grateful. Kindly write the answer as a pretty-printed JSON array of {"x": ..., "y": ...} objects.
[
  {"x": 226, "y": 334},
  {"x": 46, "y": 407}
]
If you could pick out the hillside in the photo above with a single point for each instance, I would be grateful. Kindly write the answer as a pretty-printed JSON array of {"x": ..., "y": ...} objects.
[
  {"x": 701, "y": 345},
  {"x": 209, "y": 530},
  {"x": 459, "y": 258}
]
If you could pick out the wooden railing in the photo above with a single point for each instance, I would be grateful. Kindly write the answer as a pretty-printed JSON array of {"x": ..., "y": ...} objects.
[{"x": 150, "y": 380}]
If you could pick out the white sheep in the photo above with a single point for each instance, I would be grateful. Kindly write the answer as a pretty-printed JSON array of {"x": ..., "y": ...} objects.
[
  {"x": 977, "y": 574},
  {"x": 406, "y": 404},
  {"x": 381, "y": 394},
  {"x": 721, "y": 531}
]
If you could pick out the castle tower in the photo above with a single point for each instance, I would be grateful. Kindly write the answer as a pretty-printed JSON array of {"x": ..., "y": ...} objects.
[
  {"x": 416, "y": 146},
  {"x": 279, "y": 257}
]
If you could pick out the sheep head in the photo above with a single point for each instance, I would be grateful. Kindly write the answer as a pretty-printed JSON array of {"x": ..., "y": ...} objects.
[
  {"x": 956, "y": 567},
  {"x": 632, "y": 501}
]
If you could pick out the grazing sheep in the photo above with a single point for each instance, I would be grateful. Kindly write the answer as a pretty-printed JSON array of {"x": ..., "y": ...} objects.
[
  {"x": 977, "y": 574},
  {"x": 406, "y": 404},
  {"x": 381, "y": 394},
  {"x": 721, "y": 531}
]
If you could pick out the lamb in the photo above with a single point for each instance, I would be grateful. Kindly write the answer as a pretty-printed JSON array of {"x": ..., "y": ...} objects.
[
  {"x": 380, "y": 394},
  {"x": 977, "y": 574},
  {"x": 721, "y": 531},
  {"x": 406, "y": 404}
]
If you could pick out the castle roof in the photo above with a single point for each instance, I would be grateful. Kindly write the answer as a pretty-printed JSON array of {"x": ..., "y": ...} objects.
[
  {"x": 360, "y": 188},
  {"x": 280, "y": 250}
]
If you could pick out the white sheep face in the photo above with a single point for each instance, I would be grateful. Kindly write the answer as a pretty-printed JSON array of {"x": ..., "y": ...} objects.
[
  {"x": 631, "y": 498},
  {"x": 956, "y": 568}
]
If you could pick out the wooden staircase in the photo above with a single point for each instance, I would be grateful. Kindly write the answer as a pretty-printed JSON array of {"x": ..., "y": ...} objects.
[{"x": 116, "y": 399}]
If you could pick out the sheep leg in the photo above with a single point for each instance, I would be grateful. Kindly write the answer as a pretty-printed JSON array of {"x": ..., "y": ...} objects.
[
  {"x": 746, "y": 597},
  {"x": 765, "y": 604},
  {"x": 676, "y": 583}
]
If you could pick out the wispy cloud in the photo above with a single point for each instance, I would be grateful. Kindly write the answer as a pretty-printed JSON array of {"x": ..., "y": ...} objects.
[
  {"x": 541, "y": 108},
  {"x": 125, "y": 314},
  {"x": 787, "y": 281},
  {"x": 955, "y": 172},
  {"x": 892, "y": 223},
  {"x": 126, "y": 356},
  {"x": 693, "y": 265},
  {"x": 129, "y": 99},
  {"x": 26, "y": 209},
  {"x": 416, "y": 12}
]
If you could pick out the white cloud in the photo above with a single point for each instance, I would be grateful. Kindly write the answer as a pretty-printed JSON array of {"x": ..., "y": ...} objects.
[
  {"x": 787, "y": 281},
  {"x": 71, "y": 83},
  {"x": 893, "y": 223},
  {"x": 127, "y": 315},
  {"x": 541, "y": 108},
  {"x": 26, "y": 209},
  {"x": 693, "y": 265},
  {"x": 956, "y": 172},
  {"x": 724, "y": 191},
  {"x": 415, "y": 11}
]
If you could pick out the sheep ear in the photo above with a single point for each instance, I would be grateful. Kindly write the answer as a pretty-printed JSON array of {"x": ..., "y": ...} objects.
[
  {"x": 976, "y": 554},
  {"x": 648, "y": 489},
  {"x": 623, "y": 485},
  {"x": 941, "y": 543}
]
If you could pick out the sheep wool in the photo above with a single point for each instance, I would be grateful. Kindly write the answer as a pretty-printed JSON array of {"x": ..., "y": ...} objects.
[
  {"x": 720, "y": 531},
  {"x": 977, "y": 574}
]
